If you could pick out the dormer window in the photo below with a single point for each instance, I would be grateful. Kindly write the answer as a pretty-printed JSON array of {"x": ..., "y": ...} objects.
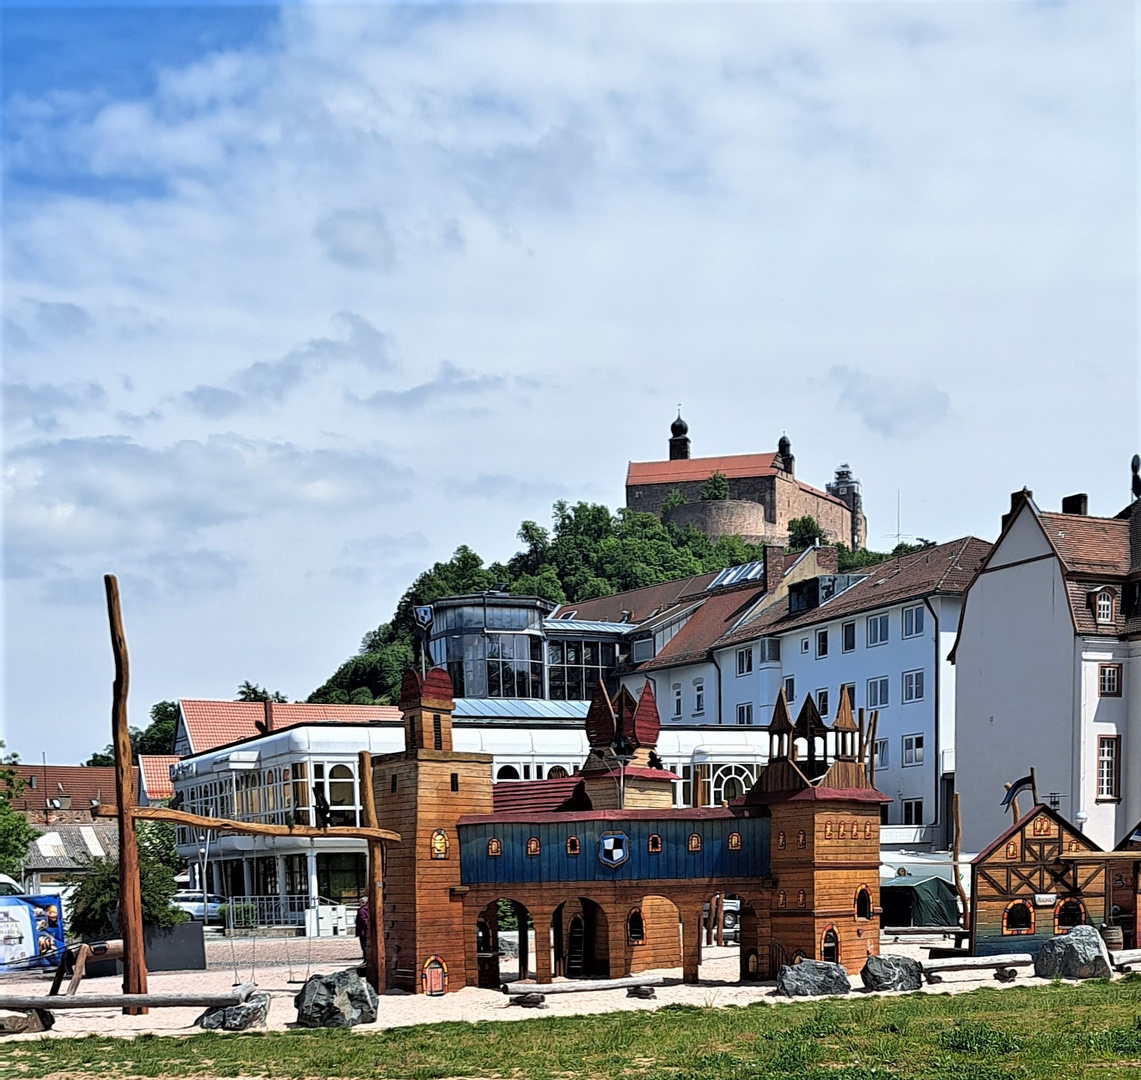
[{"x": 1103, "y": 606}]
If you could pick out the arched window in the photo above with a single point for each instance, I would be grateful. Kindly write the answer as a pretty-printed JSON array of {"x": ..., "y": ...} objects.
[
  {"x": 694, "y": 842},
  {"x": 782, "y": 899},
  {"x": 1068, "y": 913},
  {"x": 494, "y": 847},
  {"x": 1012, "y": 849},
  {"x": 507, "y": 772},
  {"x": 802, "y": 839},
  {"x": 1073, "y": 845},
  {"x": 439, "y": 844},
  {"x": 801, "y": 898},
  {"x": 635, "y": 928},
  {"x": 734, "y": 841},
  {"x": 867, "y": 830},
  {"x": 654, "y": 844},
  {"x": 827, "y": 830},
  {"x": 780, "y": 841},
  {"x": 533, "y": 845},
  {"x": 830, "y": 946},
  {"x": 482, "y": 936},
  {"x": 557, "y": 772},
  {"x": 342, "y": 796},
  {"x": 841, "y": 834},
  {"x": 1018, "y": 918},
  {"x": 855, "y": 830},
  {"x": 573, "y": 847},
  {"x": 730, "y": 782},
  {"x": 863, "y": 903}
]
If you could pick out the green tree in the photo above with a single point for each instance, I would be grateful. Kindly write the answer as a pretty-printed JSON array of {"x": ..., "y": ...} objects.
[
  {"x": 156, "y": 841},
  {"x": 15, "y": 832},
  {"x": 715, "y": 489},
  {"x": 249, "y": 691},
  {"x": 676, "y": 498},
  {"x": 158, "y": 738},
  {"x": 803, "y": 532},
  {"x": 96, "y": 897}
]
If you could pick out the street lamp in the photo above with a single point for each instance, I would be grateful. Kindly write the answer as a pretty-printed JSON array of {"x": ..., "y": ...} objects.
[{"x": 203, "y": 862}]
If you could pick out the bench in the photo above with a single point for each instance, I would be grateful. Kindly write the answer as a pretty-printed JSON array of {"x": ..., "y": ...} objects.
[
  {"x": 1124, "y": 959},
  {"x": 1004, "y": 965},
  {"x": 533, "y": 995}
]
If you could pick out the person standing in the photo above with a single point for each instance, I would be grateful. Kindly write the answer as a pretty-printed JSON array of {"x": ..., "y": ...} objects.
[{"x": 362, "y": 927}]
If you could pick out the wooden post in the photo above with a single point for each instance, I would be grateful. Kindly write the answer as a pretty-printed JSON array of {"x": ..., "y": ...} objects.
[
  {"x": 870, "y": 745},
  {"x": 720, "y": 918},
  {"x": 957, "y": 850},
  {"x": 130, "y": 889},
  {"x": 1034, "y": 784},
  {"x": 375, "y": 960}
]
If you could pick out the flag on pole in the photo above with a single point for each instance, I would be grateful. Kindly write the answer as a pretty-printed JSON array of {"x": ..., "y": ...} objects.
[{"x": 1016, "y": 789}]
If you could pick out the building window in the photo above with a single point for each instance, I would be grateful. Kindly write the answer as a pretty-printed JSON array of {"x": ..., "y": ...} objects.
[
  {"x": 557, "y": 772},
  {"x": 745, "y": 713},
  {"x": 698, "y": 696},
  {"x": 822, "y": 702},
  {"x": 1108, "y": 767},
  {"x": 802, "y": 839},
  {"x": 863, "y": 903},
  {"x": 677, "y": 699},
  {"x": 877, "y": 630},
  {"x": 877, "y": 692},
  {"x": 455, "y": 781},
  {"x": 439, "y": 844},
  {"x": 804, "y": 645},
  {"x": 827, "y": 830},
  {"x": 912, "y": 686},
  {"x": 507, "y": 772},
  {"x": 1012, "y": 849},
  {"x": 494, "y": 848},
  {"x": 912, "y": 750},
  {"x": 881, "y": 754},
  {"x": 801, "y": 898},
  {"x": 883, "y": 813},
  {"x": 1109, "y": 680},
  {"x": 821, "y": 643},
  {"x": 393, "y": 785},
  {"x": 734, "y": 841},
  {"x": 782, "y": 899},
  {"x": 573, "y": 847},
  {"x": 437, "y": 732},
  {"x": 573, "y": 667},
  {"x": 913, "y": 811},
  {"x": 780, "y": 841},
  {"x": 790, "y": 688},
  {"x": 1105, "y": 607},
  {"x": 654, "y": 844},
  {"x": 744, "y": 661},
  {"x": 1068, "y": 913},
  {"x": 694, "y": 842},
  {"x": 913, "y": 621},
  {"x": 848, "y": 635},
  {"x": 867, "y": 830},
  {"x": 635, "y": 928},
  {"x": 683, "y": 788},
  {"x": 533, "y": 847},
  {"x": 1018, "y": 918}
]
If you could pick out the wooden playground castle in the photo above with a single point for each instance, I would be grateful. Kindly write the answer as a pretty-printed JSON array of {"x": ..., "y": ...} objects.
[{"x": 616, "y": 880}]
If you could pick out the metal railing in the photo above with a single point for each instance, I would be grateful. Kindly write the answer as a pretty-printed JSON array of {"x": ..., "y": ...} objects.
[{"x": 249, "y": 912}]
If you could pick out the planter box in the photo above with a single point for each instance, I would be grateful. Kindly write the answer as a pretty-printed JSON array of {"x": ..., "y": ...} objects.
[{"x": 178, "y": 948}]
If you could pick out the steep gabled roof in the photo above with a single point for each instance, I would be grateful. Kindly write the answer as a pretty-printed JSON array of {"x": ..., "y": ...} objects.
[
  {"x": 154, "y": 775},
  {"x": 536, "y": 796},
  {"x": 731, "y": 466},
  {"x": 1026, "y": 818},
  {"x": 1098, "y": 547},
  {"x": 82, "y": 783},
  {"x": 641, "y": 604}
]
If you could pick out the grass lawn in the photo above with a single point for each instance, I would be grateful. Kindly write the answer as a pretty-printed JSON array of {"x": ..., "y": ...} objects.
[{"x": 1088, "y": 1030}]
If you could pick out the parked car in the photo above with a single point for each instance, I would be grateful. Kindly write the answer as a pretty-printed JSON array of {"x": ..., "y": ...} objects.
[
  {"x": 190, "y": 901},
  {"x": 731, "y": 923},
  {"x": 9, "y": 886}
]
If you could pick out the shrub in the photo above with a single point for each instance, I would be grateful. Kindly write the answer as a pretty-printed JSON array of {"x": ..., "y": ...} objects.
[
  {"x": 96, "y": 898},
  {"x": 239, "y": 915},
  {"x": 674, "y": 498},
  {"x": 715, "y": 488}
]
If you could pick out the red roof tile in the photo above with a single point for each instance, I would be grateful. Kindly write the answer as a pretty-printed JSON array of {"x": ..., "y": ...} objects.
[
  {"x": 1089, "y": 545},
  {"x": 155, "y": 770},
  {"x": 640, "y": 603},
  {"x": 538, "y": 796},
  {"x": 210, "y": 724},
  {"x": 673, "y": 472},
  {"x": 82, "y": 783},
  {"x": 707, "y": 625}
]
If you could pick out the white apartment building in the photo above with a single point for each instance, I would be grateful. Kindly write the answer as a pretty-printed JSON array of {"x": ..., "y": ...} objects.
[{"x": 1048, "y": 666}]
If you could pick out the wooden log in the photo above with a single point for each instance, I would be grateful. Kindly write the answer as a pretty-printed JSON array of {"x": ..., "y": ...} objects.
[
  {"x": 922, "y": 931},
  {"x": 1124, "y": 959},
  {"x": 873, "y": 728},
  {"x": 374, "y": 944},
  {"x": 720, "y": 918},
  {"x": 933, "y": 970},
  {"x": 130, "y": 889},
  {"x": 142, "y": 1002},
  {"x": 580, "y": 986},
  {"x": 251, "y": 828}
]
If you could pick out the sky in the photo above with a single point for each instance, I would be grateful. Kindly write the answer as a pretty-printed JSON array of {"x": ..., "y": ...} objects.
[{"x": 297, "y": 300}]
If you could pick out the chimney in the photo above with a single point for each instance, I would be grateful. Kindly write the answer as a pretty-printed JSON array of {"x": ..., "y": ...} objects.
[
  {"x": 1016, "y": 498},
  {"x": 1076, "y": 504},
  {"x": 774, "y": 567},
  {"x": 268, "y": 715}
]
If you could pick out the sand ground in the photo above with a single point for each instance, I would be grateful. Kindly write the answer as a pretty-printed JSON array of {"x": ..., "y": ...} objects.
[{"x": 279, "y": 966}]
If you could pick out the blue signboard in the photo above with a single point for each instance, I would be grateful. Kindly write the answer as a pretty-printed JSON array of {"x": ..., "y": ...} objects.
[{"x": 31, "y": 932}]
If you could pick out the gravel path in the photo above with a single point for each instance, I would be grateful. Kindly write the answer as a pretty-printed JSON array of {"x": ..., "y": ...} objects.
[{"x": 718, "y": 988}]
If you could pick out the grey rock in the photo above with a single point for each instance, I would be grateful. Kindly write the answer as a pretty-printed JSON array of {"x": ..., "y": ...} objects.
[
  {"x": 1080, "y": 954},
  {"x": 812, "y": 978},
  {"x": 342, "y": 999},
  {"x": 251, "y": 1013},
  {"x": 530, "y": 1001},
  {"x": 25, "y": 1022},
  {"x": 891, "y": 973},
  {"x": 646, "y": 992}
]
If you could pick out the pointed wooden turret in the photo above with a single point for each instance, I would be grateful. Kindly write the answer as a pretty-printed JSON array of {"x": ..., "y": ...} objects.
[
  {"x": 780, "y": 730},
  {"x": 812, "y": 728},
  {"x": 846, "y": 730}
]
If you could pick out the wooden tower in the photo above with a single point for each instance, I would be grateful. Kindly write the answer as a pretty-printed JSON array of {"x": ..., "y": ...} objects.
[
  {"x": 422, "y": 793},
  {"x": 824, "y": 838}
]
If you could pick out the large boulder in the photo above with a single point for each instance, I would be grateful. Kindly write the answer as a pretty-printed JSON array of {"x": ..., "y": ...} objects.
[
  {"x": 1080, "y": 954},
  {"x": 891, "y": 973},
  {"x": 25, "y": 1021},
  {"x": 812, "y": 978},
  {"x": 342, "y": 999},
  {"x": 251, "y": 1013}
]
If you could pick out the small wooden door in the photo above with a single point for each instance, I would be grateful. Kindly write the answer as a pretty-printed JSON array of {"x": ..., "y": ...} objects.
[{"x": 830, "y": 953}]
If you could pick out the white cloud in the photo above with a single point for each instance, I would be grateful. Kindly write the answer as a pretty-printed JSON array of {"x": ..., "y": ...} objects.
[{"x": 891, "y": 405}]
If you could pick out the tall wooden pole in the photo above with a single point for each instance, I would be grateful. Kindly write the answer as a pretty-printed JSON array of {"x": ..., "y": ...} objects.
[
  {"x": 957, "y": 850},
  {"x": 130, "y": 891},
  {"x": 375, "y": 971},
  {"x": 1034, "y": 784}
]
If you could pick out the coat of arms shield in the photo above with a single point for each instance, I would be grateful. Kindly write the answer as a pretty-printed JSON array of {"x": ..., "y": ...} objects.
[{"x": 613, "y": 848}]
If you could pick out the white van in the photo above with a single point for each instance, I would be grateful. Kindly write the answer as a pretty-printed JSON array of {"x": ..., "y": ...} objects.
[{"x": 9, "y": 887}]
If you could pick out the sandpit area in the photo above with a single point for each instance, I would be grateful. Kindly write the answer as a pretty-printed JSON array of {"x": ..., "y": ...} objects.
[{"x": 279, "y": 967}]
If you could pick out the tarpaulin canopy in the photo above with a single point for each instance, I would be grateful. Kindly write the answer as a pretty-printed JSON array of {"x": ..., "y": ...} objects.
[{"x": 909, "y": 901}]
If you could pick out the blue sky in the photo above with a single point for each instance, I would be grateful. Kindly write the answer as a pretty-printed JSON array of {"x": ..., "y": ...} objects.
[{"x": 296, "y": 300}]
